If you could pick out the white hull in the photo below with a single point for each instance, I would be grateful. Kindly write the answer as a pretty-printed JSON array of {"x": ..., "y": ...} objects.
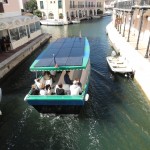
[
  {"x": 119, "y": 64},
  {"x": 96, "y": 17},
  {"x": 51, "y": 22},
  {"x": 107, "y": 13},
  {"x": 75, "y": 21}
]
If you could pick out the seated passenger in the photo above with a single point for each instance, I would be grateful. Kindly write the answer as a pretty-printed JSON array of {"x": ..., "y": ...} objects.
[
  {"x": 46, "y": 79},
  {"x": 48, "y": 89},
  {"x": 67, "y": 78},
  {"x": 49, "y": 82},
  {"x": 78, "y": 81},
  {"x": 34, "y": 89},
  {"x": 42, "y": 89},
  {"x": 37, "y": 83},
  {"x": 75, "y": 89},
  {"x": 59, "y": 90}
]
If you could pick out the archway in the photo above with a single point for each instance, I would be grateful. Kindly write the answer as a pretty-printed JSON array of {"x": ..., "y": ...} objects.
[
  {"x": 51, "y": 16},
  {"x": 60, "y": 16},
  {"x": 99, "y": 12},
  {"x": 90, "y": 12}
]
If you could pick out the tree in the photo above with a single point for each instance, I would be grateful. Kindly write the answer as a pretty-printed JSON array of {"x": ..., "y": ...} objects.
[
  {"x": 31, "y": 5},
  {"x": 38, "y": 13}
]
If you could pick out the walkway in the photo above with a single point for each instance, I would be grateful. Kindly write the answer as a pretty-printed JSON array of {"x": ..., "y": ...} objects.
[
  {"x": 8, "y": 60},
  {"x": 136, "y": 58},
  {"x": 5, "y": 55}
]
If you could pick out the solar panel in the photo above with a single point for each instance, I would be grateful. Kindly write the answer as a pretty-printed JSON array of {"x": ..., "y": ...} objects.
[{"x": 67, "y": 51}]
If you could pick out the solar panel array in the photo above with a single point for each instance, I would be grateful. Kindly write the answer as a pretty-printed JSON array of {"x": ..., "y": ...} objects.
[{"x": 65, "y": 51}]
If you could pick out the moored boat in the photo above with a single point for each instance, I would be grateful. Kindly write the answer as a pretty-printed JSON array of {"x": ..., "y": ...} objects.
[
  {"x": 75, "y": 21},
  {"x": 96, "y": 17},
  {"x": 52, "y": 22},
  {"x": 65, "y": 54},
  {"x": 119, "y": 64}
]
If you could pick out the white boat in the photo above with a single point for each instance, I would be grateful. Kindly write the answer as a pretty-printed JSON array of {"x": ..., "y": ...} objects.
[
  {"x": 119, "y": 64},
  {"x": 96, "y": 17},
  {"x": 75, "y": 21},
  {"x": 107, "y": 13},
  {"x": 52, "y": 22},
  {"x": 70, "y": 54}
]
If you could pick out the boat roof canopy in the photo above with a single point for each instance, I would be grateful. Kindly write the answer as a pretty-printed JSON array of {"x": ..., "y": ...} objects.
[{"x": 68, "y": 53}]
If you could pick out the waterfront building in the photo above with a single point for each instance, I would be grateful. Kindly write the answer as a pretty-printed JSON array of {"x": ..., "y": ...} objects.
[
  {"x": 67, "y": 10},
  {"x": 22, "y": 2},
  {"x": 133, "y": 18},
  {"x": 14, "y": 27}
]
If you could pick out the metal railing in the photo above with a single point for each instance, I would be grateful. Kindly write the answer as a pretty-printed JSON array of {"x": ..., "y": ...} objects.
[{"x": 130, "y": 3}]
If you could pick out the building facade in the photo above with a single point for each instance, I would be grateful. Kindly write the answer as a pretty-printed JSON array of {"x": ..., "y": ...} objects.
[
  {"x": 133, "y": 17},
  {"x": 14, "y": 27},
  {"x": 66, "y": 10}
]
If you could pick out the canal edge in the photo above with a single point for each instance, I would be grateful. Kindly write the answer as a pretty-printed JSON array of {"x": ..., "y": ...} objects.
[
  {"x": 11, "y": 62},
  {"x": 137, "y": 61}
]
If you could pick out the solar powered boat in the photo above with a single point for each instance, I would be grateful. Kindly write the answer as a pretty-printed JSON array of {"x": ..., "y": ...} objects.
[{"x": 70, "y": 54}]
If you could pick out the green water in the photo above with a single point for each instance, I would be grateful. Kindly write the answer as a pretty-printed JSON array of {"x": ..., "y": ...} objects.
[{"x": 116, "y": 117}]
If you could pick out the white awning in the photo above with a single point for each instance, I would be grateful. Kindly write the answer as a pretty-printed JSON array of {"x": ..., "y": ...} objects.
[{"x": 13, "y": 22}]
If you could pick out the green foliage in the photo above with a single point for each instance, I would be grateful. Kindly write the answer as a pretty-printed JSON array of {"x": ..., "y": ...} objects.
[
  {"x": 31, "y": 5},
  {"x": 38, "y": 13}
]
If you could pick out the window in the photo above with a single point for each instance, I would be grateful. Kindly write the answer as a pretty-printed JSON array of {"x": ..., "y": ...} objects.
[
  {"x": 14, "y": 33},
  {"x": 50, "y": 16},
  {"x": 60, "y": 16},
  {"x": 59, "y": 3},
  {"x": 32, "y": 27},
  {"x": 41, "y": 5},
  {"x": 22, "y": 31}
]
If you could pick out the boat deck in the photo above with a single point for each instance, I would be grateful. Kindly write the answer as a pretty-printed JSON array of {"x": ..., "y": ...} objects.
[{"x": 119, "y": 64}]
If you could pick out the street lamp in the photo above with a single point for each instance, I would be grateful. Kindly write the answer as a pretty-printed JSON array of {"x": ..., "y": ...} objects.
[
  {"x": 132, "y": 11},
  {"x": 140, "y": 27},
  {"x": 124, "y": 23},
  {"x": 147, "y": 50}
]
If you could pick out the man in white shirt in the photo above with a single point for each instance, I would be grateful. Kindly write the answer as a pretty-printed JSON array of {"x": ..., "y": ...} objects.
[{"x": 75, "y": 89}]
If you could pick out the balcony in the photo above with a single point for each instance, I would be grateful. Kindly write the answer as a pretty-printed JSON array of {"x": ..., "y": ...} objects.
[{"x": 129, "y": 4}]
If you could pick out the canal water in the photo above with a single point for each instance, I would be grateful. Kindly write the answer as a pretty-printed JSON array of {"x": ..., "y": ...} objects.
[{"x": 116, "y": 117}]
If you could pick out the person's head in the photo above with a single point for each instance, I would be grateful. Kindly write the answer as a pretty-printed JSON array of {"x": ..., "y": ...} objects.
[
  {"x": 47, "y": 87},
  {"x": 67, "y": 72},
  {"x": 60, "y": 85},
  {"x": 33, "y": 86},
  {"x": 42, "y": 86},
  {"x": 75, "y": 82}
]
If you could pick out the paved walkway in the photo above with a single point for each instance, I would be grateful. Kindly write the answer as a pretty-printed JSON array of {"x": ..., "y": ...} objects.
[
  {"x": 8, "y": 60},
  {"x": 136, "y": 58}
]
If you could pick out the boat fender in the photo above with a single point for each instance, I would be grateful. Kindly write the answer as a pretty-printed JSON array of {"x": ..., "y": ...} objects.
[
  {"x": 86, "y": 97},
  {"x": 126, "y": 75}
]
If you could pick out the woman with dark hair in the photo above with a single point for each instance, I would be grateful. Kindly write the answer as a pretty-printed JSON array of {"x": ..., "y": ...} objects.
[
  {"x": 67, "y": 78},
  {"x": 60, "y": 90}
]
